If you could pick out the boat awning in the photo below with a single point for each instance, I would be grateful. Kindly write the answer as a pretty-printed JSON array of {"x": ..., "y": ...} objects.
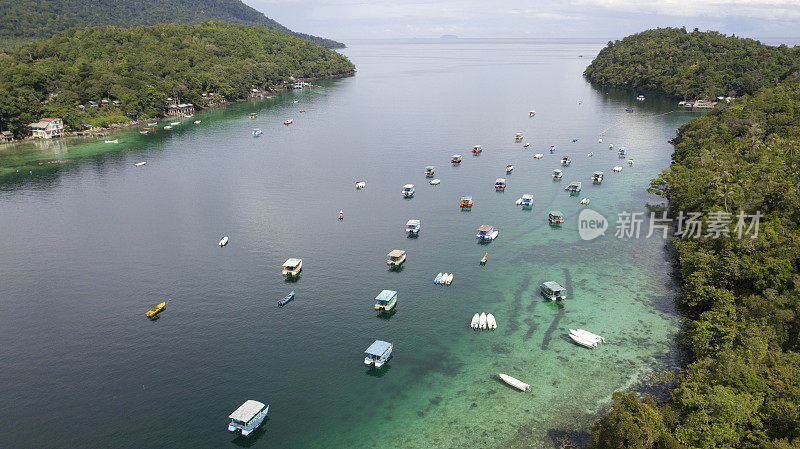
[
  {"x": 556, "y": 213},
  {"x": 527, "y": 196},
  {"x": 292, "y": 262},
  {"x": 553, "y": 286},
  {"x": 247, "y": 411},
  {"x": 485, "y": 228},
  {"x": 412, "y": 223},
  {"x": 500, "y": 181},
  {"x": 457, "y": 156},
  {"x": 408, "y": 186},
  {"x": 466, "y": 198},
  {"x": 378, "y": 348},
  {"x": 598, "y": 173},
  {"x": 558, "y": 170},
  {"x": 396, "y": 253},
  {"x": 429, "y": 167},
  {"x": 386, "y": 295}
]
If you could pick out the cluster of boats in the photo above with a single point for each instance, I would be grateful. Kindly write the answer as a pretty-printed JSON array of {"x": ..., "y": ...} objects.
[
  {"x": 443, "y": 279},
  {"x": 483, "y": 321}
]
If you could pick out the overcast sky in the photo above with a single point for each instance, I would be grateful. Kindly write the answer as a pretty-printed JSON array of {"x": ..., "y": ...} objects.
[{"x": 355, "y": 19}]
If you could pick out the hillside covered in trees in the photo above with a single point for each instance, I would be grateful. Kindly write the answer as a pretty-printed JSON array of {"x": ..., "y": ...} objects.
[
  {"x": 31, "y": 19},
  {"x": 688, "y": 65},
  {"x": 740, "y": 292},
  {"x": 141, "y": 67}
]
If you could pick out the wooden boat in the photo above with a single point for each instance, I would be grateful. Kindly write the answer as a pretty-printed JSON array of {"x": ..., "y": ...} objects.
[
  {"x": 378, "y": 353},
  {"x": 158, "y": 308},
  {"x": 224, "y": 241},
  {"x": 476, "y": 319},
  {"x": 491, "y": 323},
  {"x": 286, "y": 298},
  {"x": 385, "y": 301},
  {"x": 516, "y": 383},
  {"x": 484, "y": 258},
  {"x": 139, "y": 164},
  {"x": 248, "y": 417}
]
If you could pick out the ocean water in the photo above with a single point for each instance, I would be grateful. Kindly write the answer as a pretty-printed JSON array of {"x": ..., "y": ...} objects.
[{"x": 90, "y": 244}]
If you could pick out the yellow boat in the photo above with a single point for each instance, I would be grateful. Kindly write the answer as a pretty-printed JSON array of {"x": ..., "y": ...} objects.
[{"x": 156, "y": 310}]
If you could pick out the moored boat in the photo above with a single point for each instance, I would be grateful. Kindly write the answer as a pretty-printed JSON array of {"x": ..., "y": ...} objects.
[
  {"x": 408, "y": 191},
  {"x": 360, "y": 184},
  {"x": 552, "y": 148},
  {"x": 435, "y": 182},
  {"x": 558, "y": 173},
  {"x": 500, "y": 184},
  {"x": 385, "y": 301},
  {"x": 527, "y": 200},
  {"x": 158, "y": 308},
  {"x": 247, "y": 417},
  {"x": 395, "y": 258},
  {"x": 516, "y": 383},
  {"x": 455, "y": 159},
  {"x": 509, "y": 169},
  {"x": 622, "y": 152},
  {"x": 491, "y": 323},
  {"x": 486, "y": 232},
  {"x": 257, "y": 132},
  {"x": 288, "y": 122},
  {"x": 573, "y": 187},
  {"x": 553, "y": 291},
  {"x": 482, "y": 324},
  {"x": 438, "y": 278},
  {"x": 484, "y": 258},
  {"x": 139, "y": 164},
  {"x": 175, "y": 123},
  {"x": 286, "y": 298},
  {"x": 224, "y": 241},
  {"x": 413, "y": 227},
  {"x": 253, "y": 115},
  {"x": 477, "y": 149},
  {"x": 588, "y": 335},
  {"x": 538, "y": 156},
  {"x": 197, "y": 122},
  {"x": 292, "y": 267},
  {"x": 168, "y": 127},
  {"x": 597, "y": 177},
  {"x": 429, "y": 170},
  {"x": 566, "y": 160},
  {"x": 518, "y": 137},
  {"x": 466, "y": 202},
  {"x": 583, "y": 341},
  {"x": 378, "y": 353},
  {"x": 556, "y": 217},
  {"x": 476, "y": 319},
  {"x": 526, "y": 144},
  {"x": 112, "y": 141}
]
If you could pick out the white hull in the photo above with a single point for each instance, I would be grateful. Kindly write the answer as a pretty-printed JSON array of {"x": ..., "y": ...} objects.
[
  {"x": 617, "y": 169},
  {"x": 494, "y": 235},
  {"x": 197, "y": 122},
  {"x": 518, "y": 202},
  {"x": 435, "y": 182},
  {"x": 443, "y": 278},
  {"x": 224, "y": 241},
  {"x": 449, "y": 279},
  {"x": 476, "y": 319},
  {"x": 175, "y": 123},
  {"x": 112, "y": 141},
  {"x": 438, "y": 278},
  {"x": 491, "y": 323},
  {"x": 585, "y": 342},
  {"x": 538, "y": 156},
  {"x": 139, "y": 164},
  {"x": 360, "y": 185},
  {"x": 588, "y": 335},
  {"x": 516, "y": 383},
  {"x": 483, "y": 320}
]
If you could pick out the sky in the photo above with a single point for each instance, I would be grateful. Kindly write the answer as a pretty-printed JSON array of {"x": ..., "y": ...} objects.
[{"x": 603, "y": 19}]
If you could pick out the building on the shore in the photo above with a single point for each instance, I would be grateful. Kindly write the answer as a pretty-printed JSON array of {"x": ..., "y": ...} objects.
[
  {"x": 179, "y": 110},
  {"x": 47, "y": 128},
  {"x": 6, "y": 136}
]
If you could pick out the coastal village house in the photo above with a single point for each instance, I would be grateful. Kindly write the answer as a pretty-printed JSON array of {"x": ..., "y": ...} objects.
[
  {"x": 176, "y": 109},
  {"x": 47, "y": 128},
  {"x": 6, "y": 136}
]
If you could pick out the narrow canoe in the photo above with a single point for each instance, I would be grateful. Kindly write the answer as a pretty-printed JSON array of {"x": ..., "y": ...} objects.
[{"x": 286, "y": 298}]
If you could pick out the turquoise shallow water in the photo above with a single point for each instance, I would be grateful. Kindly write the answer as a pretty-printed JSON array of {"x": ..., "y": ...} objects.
[{"x": 91, "y": 244}]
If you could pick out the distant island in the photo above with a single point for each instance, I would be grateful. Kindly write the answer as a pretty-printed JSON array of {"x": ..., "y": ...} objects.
[
  {"x": 696, "y": 64},
  {"x": 448, "y": 36},
  {"x": 104, "y": 75},
  {"x": 36, "y": 19}
]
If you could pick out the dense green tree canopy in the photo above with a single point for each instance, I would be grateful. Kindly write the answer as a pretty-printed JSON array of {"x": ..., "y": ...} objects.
[
  {"x": 696, "y": 64},
  {"x": 29, "y": 19},
  {"x": 141, "y": 67}
]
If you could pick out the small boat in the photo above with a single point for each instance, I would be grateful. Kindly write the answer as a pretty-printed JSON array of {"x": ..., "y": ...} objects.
[
  {"x": 591, "y": 153},
  {"x": 302, "y": 111},
  {"x": 385, "y": 301},
  {"x": 597, "y": 177},
  {"x": 526, "y": 144},
  {"x": 360, "y": 184},
  {"x": 224, "y": 241},
  {"x": 167, "y": 127},
  {"x": 341, "y": 215},
  {"x": 139, "y": 164},
  {"x": 257, "y": 132},
  {"x": 552, "y": 148},
  {"x": 248, "y": 417},
  {"x": 509, "y": 169},
  {"x": 518, "y": 202},
  {"x": 518, "y": 137},
  {"x": 477, "y": 149},
  {"x": 491, "y": 323},
  {"x": 558, "y": 173},
  {"x": 483, "y": 320},
  {"x": 413, "y": 227},
  {"x": 622, "y": 152},
  {"x": 556, "y": 217},
  {"x": 429, "y": 170},
  {"x": 286, "y": 298},
  {"x": 288, "y": 122},
  {"x": 149, "y": 128},
  {"x": 253, "y": 115},
  {"x": 408, "y": 191},
  {"x": 553, "y": 291},
  {"x": 585, "y": 201},
  {"x": 292, "y": 267},
  {"x": 112, "y": 141},
  {"x": 500, "y": 184},
  {"x": 378, "y": 353},
  {"x": 144, "y": 132},
  {"x": 438, "y": 278},
  {"x": 175, "y": 123},
  {"x": 516, "y": 383},
  {"x": 566, "y": 160},
  {"x": 485, "y": 232},
  {"x": 573, "y": 187},
  {"x": 640, "y": 98},
  {"x": 435, "y": 182},
  {"x": 152, "y": 124},
  {"x": 600, "y": 140},
  {"x": 527, "y": 200},
  {"x": 443, "y": 278},
  {"x": 197, "y": 122},
  {"x": 610, "y": 146},
  {"x": 538, "y": 156},
  {"x": 628, "y": 109},
  {"x": 449, "y": 279},
  {"x": 484, "y": 258},
  {"x": 630, "y": 162},
  {"x": 455, "y": 159},
  {"x": 296, "y": 101},
  {"x": 466, "y": 202},
  {"x": 588, "y": 335},
  {"x": 531, "y": 113},
  {"x": 617, "y": 169},
  {"x": 476, "y": 319},
  {"x": 583, "y": 341},
  {"x": 395, "y": 258},
  {"x": 158, "y": 308},
  {"x": 575, "y": 139}
]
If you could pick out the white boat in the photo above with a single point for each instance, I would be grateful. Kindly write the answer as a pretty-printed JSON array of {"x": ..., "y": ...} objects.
[
  {"x": 518, "y": 202},
  {"x": 167, "y": 127},
  {"x": 296, "y": 101},
  {"x": 112, "y": 141},
  {"x": 224, "y": 241},
  {"x": 585, "y": 201},
  {"x": 538, "y": 156},
  {"x": 610, "y": 146},
  {"x": 516, "y": 383},
  {"x": 591, "y": 153},
  {"x": 476, "y": 319},
  {"x": 494, "y": 235},
  {"x": 139, "y": 164},
  {"x": 526, "y": 144},
  {"x": 360, "y": 185},
  {"x": 509, "y": 168},
  {"x": 588, "y": 335},
  {"x": 630, "y": 162},
  {"x": 196, "y": 122},
  {"x": 175, "y": 123},
  {"x": 408, "y": 191},
  {"x": 518, "y": 136},
  {"x": 599, "y": 140},
  {"x": 247, "y": 417},
  {"x": 483, "y": 320},
  {"x": 395, "y": 258},
  {"x": 449, "y": 279},
  {"x": 491, "y": 323},
  {"x": 435, "y": 182},
  {"x": 288, "y": 121},
  {"x": 438, "y": 278},
  {"x": 531, "y": 113},
  {"x": 617, "y": 169},
  {"x": 583, "y": 341}
]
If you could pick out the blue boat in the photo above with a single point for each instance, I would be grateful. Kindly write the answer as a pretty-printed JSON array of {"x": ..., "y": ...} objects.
[
  {"x": 622, "y": 152},
  {"x": 486, "y": 232},
  {"x": 286, "y": 298},
  {"x": 378, "y": 353},
  {"x": 573, "y": 187},
  {"x": 556, "y": 217},
  {"x": 527, "y": 200},
  {"x": 552, "y": 148},
  {"x": 257, "y": 132}
]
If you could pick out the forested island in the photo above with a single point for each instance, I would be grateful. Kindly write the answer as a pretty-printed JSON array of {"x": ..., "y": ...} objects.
[
  {"x": 740, "y": 294},
  {"x": 35, "y": 19},
  {"x": 140, "y": 68},
  {"x": 696, "y": 64}
]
